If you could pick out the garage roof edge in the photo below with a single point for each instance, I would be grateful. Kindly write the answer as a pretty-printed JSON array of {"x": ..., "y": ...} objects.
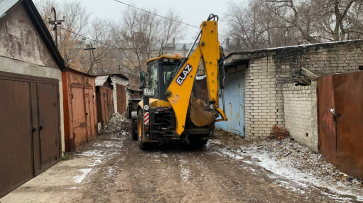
[{"x": 7, "y": 5}]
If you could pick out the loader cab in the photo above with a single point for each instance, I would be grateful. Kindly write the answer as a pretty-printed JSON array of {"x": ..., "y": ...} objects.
[{"x": 161, "y": 71}]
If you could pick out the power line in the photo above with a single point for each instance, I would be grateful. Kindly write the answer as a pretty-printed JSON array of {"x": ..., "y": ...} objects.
[
  {"x": 155, "y": 14},
  {"x": 77, "y": 34},
  {"x": 83, "y": 36}
]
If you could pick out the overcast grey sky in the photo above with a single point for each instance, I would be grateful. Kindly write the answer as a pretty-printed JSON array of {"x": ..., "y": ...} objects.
[{"x": 192, "y": 11}]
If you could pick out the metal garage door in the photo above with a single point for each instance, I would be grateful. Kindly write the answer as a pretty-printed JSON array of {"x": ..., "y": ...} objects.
[
  {"x": 90, "y": 114},
  {"x": 29, "y": 128},
  {"x": 121, "y": 99},
  {"x": 16, "y": 160},
  {"x": 78, "y": 116},
  {"x": 48, "y": 121},
  {"x": 340, "y": 105},
  {"x": 234, "y": 101}
]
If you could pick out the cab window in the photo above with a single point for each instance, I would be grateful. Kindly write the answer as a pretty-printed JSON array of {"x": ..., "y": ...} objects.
[
  {"x": 168, "y": 73},
  {"x": 153, "y": 79}
]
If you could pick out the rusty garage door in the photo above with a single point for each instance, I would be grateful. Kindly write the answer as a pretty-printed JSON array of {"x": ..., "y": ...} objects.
[
  {"x": 90, "y": 112},
  {"x": 29, "y": 123},
  {"x": 341, "y": 121},
  {"x": 84, "y": 125},
  {"x": 104, "y": 105},
  {"x": 78, "y": 116}
]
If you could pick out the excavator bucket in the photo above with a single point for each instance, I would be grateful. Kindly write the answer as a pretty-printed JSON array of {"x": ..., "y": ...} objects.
[{"x": 198, "y": 115}]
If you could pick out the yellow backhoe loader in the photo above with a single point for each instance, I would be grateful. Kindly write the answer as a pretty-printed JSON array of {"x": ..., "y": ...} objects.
[{"x": 169, "y": 108}]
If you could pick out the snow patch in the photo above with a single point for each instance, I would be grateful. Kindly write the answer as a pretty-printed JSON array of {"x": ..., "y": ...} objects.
[
  {"x": 72, "y": 188},
  {"x": 96, "y": 161},
  {"x": 185, "y": 173},
  {"x": 111, "y": 172},
  {"x": 92, "y": 153},
  {"x": 230, "y": 154},
  {"x": 80, "y": 178},
  {"x": 247, "y": 162},
  {"x": 302, "y": 178},
  {"x": 297, "y": 179}
]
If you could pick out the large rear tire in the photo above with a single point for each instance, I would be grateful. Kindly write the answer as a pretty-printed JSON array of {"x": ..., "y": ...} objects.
[
  {"x": 134, "y": 130},
  {"x": 197, "y": 142},
  {"x": 140, "y": 130}
]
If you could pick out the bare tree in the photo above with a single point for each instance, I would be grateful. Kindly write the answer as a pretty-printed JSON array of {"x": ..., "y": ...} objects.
[
  {"x": 44, "y": 8},
  {"x": 355, "y": 21},
  {"x": 268, "y": 23},
  {"x": 75, "y": 21},
  {"x": 298, "y": 14},
  {"x": 320, "y": 20},
  {"x": 170, "y": 30},
  {"x": 340, "y": 19},
  {"x": 100, "y": 48},
  {"x": 256, "y": 26},
  {"x": 136, "y": 33}
]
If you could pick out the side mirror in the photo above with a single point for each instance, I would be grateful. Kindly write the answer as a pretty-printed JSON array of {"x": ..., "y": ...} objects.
[{"x": 142, "y": 76}]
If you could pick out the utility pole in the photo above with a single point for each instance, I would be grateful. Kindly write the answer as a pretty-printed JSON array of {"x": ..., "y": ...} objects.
[
  {"x": 90, "y": 48},
  {"x": 55, "y": 23},
  {"x": 184, "y": 49}
]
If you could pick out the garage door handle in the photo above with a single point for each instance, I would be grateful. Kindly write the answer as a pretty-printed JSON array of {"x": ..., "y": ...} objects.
[
  {"x": 34, "y": 129},
  {"x": 41, "y": 127}
]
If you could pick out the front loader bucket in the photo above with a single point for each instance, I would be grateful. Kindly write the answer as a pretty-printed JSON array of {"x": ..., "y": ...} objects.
[{"x": 198, "y": 115}]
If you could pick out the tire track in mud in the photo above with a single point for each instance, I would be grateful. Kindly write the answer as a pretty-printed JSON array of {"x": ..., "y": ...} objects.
[
  {"x": 173, "y": 173},
  {"x": 106, "y": 154}
]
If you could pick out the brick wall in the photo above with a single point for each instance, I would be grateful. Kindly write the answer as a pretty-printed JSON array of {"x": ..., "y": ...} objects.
[
  {"x": 265, "y": 76},
  {"x": 263, "y": 98},
  {"x": 324, "y": 59},
  {"x": 119, "y": 81},
  {"x": 334, "y": 58},
  {"x": 300, "y": 112},
  {"x": 114, "y": 95}
]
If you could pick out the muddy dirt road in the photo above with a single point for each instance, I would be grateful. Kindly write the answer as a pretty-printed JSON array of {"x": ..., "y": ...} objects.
[{"x": 112, "y": 168}]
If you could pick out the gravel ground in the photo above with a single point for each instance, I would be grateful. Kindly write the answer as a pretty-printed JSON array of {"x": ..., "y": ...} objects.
[{"x": 289, "y": 159}]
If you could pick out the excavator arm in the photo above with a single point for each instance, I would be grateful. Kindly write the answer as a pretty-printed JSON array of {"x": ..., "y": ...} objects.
[{"x": 179, "y": 92}]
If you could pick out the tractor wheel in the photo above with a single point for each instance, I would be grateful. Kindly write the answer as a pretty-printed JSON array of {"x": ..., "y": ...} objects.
[
  {"x": 197, "y": 142},
  {"x": 140, "y": 130},
  {"x": 134, "y": 130}
]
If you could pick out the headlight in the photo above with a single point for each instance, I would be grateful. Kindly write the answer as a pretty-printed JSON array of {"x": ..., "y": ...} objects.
[{"x": 146, "y": 107}]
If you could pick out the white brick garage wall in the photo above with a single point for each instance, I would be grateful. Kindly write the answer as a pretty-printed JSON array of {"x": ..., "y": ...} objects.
[
  {"x": 269, "y": 69},
  {"x": 301, "y": 114},
  {"x": 119, "y": 81},
  {"x": 263, "y": 98}
]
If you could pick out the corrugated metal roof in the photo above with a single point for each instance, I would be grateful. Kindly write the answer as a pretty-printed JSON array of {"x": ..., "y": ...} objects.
[
  {"x": 6, "y": 5},
  {"x": 119, "y": 81},
  {"x": 100, "y": 80}
]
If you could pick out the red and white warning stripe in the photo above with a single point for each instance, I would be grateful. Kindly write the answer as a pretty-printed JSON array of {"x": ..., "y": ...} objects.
[{"x": 146, "y": 118}]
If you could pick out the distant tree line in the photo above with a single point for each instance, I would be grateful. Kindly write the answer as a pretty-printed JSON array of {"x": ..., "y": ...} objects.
[
  {"x": 274, "y": 23},
  {"x": 123, "y": 44}
]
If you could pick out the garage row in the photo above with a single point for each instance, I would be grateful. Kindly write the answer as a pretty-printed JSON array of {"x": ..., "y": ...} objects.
[{"x": 46, "y": 108}]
